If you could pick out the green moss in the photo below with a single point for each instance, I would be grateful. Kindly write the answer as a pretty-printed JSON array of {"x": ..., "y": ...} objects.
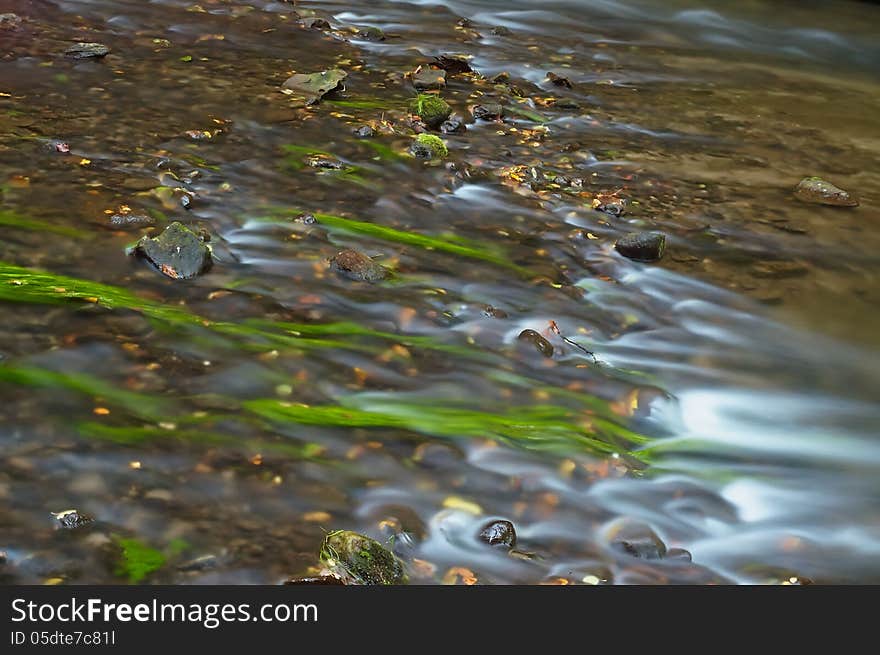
[
  {"x": 13, "y": 220},
  {"x": 361, "y": 560},
  {"x": 137, "y": 560},
  {"x": 430, "y": 145},
  {"x": 432, "y": 109}
]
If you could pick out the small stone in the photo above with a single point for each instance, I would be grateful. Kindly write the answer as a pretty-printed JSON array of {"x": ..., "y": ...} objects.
[
  {"x": 357, "y": 266},
  {"x": 452, "y": 126},
  {"x": 566, "y": 103},
  {"x": 494, "y": 312},
  {"x": 498, "y": 533},
  {"x": 364, "y": 132},
  {"x": 325, "y": 162},
  {"x": 541, "y": 344},
  {"x": 178, "y": 252},
  {"x": 491, "y": 112},
  {"x": 642, "y": 246},
  {"x": 428, "y": 146},
  {"x": 361, "y": 560},
  {"x": 306, "y": 219},
  {"x": 500, "y": 78},
  {"x": 315, "y": 23},
  {"x": 87, "y": 50},
  {"x": 817, "y": 190},
  {"x": 425, "y": 78},
  {"x": 71, "y": 518},
  {"x": 679, "y": 554},
  {"x": 131, "y": 219},
  {"x": 202, "y": 563},
  {"x": 500, "y": 30}
]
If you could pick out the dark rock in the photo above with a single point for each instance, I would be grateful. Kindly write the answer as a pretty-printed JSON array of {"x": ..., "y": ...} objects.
[
  {"x": 541, "y": 344},
  {"x": 498, "y": 533},
  {"x": 566, "y": 103},
  {"x": 178, "y": 252},
  {"x": 558, "y": 80},
  {"x": 453, "y": 64},
  {"x": 203, "y": 563},
  {"x": 464, "y": 22},
  {"x": 817, "y": 190},
  {"x": 642, "y": 246},
  {"x": 425, "y": 78},
  {"x": 452, "y": 126},
  {"x": 325, "y": 162},
  {"x": 500, "y": 30},
  {"x": 491, "y": 112},
  {"x": 305, "y": 219},
  {"x": 610, "y": 204},
  {"x": 87, "y": 50},
  {"x": 364, "y": 132},
  {"x": 315, "y": 23},
  {"x": 501, "y": 78},
  {"x": 71, "y": 518},
  {"x": 357, "y": 266},
  {"x": 361, "y": 560}
]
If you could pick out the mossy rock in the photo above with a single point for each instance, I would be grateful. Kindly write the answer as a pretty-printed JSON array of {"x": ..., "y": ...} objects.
[
  {"x": 817, "y": 190},
  {"x": 428, "y": 146},
  {"x": 432, "y": 109},
  {"x": 361, "y": 560}
]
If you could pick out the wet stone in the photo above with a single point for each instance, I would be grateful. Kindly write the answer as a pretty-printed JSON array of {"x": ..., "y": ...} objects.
[
  {"x": 453, "y": 64},
  {"x": 500, "y": 30},
  {"x": 679, "y": 554},
  {"x": 541, "y": 344},
  {"x": 131, "y": 219},
  {"x": 357, "y": 266},
  {"x": 498, "y": 533},
  {"x": 87, "y": 50},
  {"x": 315, "y": 23},
  {"x": 490, "y": 112},
  {"x": 638, "y": 540},
  {"x": 494, "y": 312},
  {"x": 364, "y": 132},
  {"x": 306, "y": 219},
  {"x": 817, "y": 190},
  {"x": 452, "y": 126},
  {"x": 425, "y": 78},
  {"x": 642, "y": 246},
  {"x": 370, "y": 34},
  {"x": 558, "y": 80},
  {"x": 322, "y": 161},
  {"x": 71, "y": 518},
  {"x": 178, "y": 252},
  {"x": 361, "y": 560}
]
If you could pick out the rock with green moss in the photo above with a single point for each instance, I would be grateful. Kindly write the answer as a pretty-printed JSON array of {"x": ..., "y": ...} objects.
[
  {"x": 815, "y": 189},
  {"x": 432, "y": 109},
  {"x": 428, "y": 146},
  {"x": 178, "y": 252},
  {"x": 360, "y": 560}
]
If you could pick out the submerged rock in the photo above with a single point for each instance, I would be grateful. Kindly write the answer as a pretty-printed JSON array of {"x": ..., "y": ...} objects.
[
  {"x": 541, "y": 344},
  {"x": 428, "y": 146},
  {"x": 817, "y": 190},
  {"x": 432, "y": 109},
  {"x": 362, "y": 560},
  {"x": 425, "y": 78},
  {"x": 500, "y": 30},
  {"x": 71, "y": 518},
  {"x": 637, "y": 540},
  {"x": 178, "y": 252},
  {"x": 370, "y": 34},
  {"x": 364, "y": 132},
  {"x": 9, "y": 21},
  {"x": 314, "y": 86},
  {"x": 491, "y": 112},
  {"x": 315, "y": 23},
  {"x": 87, "y": 50},
  {"x": 642, "y": 246},
  {"x": 558, "y": 80},
  {"x": 498, "y": 533},
  {"x": 357, "y": 266}
]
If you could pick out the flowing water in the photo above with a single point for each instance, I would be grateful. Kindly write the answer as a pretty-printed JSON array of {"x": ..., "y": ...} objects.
[{"x": 217, "y": 428}]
